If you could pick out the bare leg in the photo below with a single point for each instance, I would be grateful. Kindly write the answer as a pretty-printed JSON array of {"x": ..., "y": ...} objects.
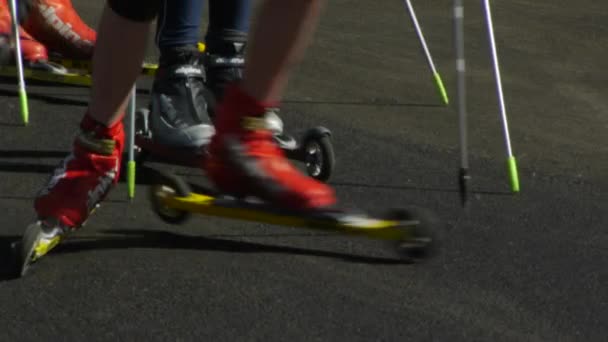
[
  {"x": 282, "y": 33},
  {"x": 244, "y": 159},
  {"x": 117, "y": 59}
]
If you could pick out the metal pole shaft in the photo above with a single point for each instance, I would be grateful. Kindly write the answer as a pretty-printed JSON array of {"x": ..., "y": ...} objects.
[
  {"x": 442, "y": 92},
  {"x": 464, "y": 176},
  {"x": 22, "y": 92},
  {"x": 513, "y": 174},
  {"x": 131, "y": 144}
]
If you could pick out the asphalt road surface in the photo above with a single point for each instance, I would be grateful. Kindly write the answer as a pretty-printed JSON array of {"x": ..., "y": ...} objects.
[{"x": 527, "y": 267}]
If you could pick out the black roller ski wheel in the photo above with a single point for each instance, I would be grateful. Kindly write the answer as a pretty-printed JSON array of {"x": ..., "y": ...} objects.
[
  {"x": 142, "y": 130},
  {"x": 169, "y": 185},
  {"x": 420, "y": 240},
  {"x": 319, "y": 157}
]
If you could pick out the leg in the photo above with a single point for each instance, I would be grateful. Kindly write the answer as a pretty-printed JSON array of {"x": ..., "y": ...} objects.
[
  {"x": 178, "y": 23},
  {"x": 244, "y": 160},
  {"x": 114, "y": 70},
  {"x": 273, "y": 52},
  {"x": 86, "y": 176},
  {"x": 226, "y": 40}
]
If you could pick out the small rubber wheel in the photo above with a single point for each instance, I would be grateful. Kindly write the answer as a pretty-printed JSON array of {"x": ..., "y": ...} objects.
[
  {"x": 169, "y": 185},
  {"x": 319, "y": 157},
  {"x": 420, "y": 240}
]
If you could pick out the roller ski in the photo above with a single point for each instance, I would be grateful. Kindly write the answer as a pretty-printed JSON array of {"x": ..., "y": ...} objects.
[
  {"x": 59, "y": 70},
  {"x": 255, "y": 182},
  {"x": 411, "y": 232}
]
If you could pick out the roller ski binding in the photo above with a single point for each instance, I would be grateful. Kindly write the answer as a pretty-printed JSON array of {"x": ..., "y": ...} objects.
[
  {"x": 314, "y": 149},
  {"x": 412, "y": 232},
  {"x": 177, "y": 127}
]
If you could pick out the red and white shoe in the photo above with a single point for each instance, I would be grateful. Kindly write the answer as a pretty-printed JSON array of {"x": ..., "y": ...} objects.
[
  {"x": 83, "y": 178},
  {"x": 77, "y": 186},
  {"x": 75, "y": 189},
  {"x": 244, "y": 160},
  {"x": 57, "y": 25},
  {"x": 32, "y": 51}
]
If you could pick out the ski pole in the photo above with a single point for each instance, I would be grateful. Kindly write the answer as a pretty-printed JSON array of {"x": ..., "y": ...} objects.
[
  {"x": 22, "y": 92},
  {"x": 438, "y": 82},
  {"x": 131, "y": 145},
  {"x": 464, "y": 176},
  {"x": 511, "y": 162}
]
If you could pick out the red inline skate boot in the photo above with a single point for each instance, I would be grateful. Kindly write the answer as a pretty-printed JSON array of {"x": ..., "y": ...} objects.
[
  {"x": 77, "y": 186},
  {"x": 57, "y": 25},
  {"x": 244, "y": 160},
  {"x": 32, "y": 51}
]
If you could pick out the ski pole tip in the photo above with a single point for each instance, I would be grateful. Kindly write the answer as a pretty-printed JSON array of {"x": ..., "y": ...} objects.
[
  {"x": 131, "y": 179},
  {"x": 513, "y": 174},
  {"x": 441, "y": 88},
  {"x": 463, "y": 181},
  {"x": 23, "y": 103}
]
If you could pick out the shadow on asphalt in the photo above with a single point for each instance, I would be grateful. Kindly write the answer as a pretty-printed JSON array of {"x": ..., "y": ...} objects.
[
  {"x": 418, "y": 188},
  {"x": 372, "y": 103},
  {"x": 50, "y": 99},
  {"x": 8, "y": 261},
  {"x": 128, "y": 239},
  {"x": 147, "y": 175},
  {"x": 144, "y": 174}
]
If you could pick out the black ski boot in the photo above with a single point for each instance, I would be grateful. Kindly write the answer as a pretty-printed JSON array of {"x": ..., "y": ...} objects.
[{"x": 178, "y": 111}]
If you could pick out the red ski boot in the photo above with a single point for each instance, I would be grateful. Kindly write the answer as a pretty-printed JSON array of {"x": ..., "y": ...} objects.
[
  {"x": 244, "y": 159},
  {"x": 57, "y": 25},
  {"x": 32, "y": 51},
  {"x": 84, "y": 178},
  {"x": 75, "y": 189}
]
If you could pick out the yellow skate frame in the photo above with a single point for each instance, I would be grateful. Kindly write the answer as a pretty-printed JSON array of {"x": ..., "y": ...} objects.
[
  {"x": 79, "y": 71},
  {"x": 350, "y": 224}
]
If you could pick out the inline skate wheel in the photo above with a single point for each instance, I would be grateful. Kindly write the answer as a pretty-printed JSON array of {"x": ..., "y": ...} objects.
[
  {"x": 420, "y": 239},
  {"x": 169, "y": 185},
  {"x": 319, "y": 157}
]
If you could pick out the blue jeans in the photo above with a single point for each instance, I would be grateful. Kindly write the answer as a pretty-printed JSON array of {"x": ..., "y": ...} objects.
[{"x": 179, "y": 21}]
